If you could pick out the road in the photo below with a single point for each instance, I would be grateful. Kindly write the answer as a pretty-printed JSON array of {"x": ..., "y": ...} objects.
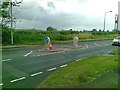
[{"x": 27, "y": 67}]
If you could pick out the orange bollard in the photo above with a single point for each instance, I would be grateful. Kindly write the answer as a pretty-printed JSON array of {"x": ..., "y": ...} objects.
[{"x": 50, "y": 46}]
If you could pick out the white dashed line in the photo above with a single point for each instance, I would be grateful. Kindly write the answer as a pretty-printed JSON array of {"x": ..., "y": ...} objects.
[
  {"x": 27, "y": 54},
  {"x": 17, "y": 79},
  {"x": 109, "y": 52},
  {"x": 6, "y": 60},
  {"x": 78, "y": 60},
  {"x": 63, "y": 65},
  {"x": 51, "y": 69},
  {"x": 36, "y": 74},
  {"x": 1, "y": 84}
]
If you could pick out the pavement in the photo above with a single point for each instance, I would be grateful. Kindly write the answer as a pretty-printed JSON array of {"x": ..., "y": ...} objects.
[{"x": 27, "y": 67}]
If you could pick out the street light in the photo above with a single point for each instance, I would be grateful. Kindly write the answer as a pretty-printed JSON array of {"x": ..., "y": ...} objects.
[
  {"x": 116, "y": 22},
  {"x": 105, "y": 19}
]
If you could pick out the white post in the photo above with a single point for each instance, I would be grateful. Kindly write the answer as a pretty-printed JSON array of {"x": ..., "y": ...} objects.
[{"x": 75, "y": 41}]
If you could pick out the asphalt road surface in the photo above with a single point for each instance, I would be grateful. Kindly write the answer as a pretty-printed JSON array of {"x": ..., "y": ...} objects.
[{"x": 27, "y": 67}]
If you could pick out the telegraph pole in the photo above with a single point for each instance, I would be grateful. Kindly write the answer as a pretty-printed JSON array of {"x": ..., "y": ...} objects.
[
  {"x": 11, "y": 23},
  {"x": 11, "y": 15}
]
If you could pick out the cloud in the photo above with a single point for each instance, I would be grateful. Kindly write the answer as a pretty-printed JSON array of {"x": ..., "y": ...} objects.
[{"x": 65, "y": 14}]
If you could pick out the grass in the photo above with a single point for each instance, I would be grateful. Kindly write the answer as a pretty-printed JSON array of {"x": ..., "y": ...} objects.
[
  {"x": 93, "y": 72},
  {"x": 83, "y": 73},
  {"x": 106, "y": 80}
]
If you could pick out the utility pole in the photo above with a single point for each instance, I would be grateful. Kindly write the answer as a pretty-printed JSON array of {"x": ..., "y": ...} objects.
[
  {"x": 16, "y": 3},
  {"x": 11, "y": 23}
]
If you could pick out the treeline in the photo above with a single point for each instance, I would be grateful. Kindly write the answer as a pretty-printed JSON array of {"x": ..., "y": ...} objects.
[{"x": 37, "y": 36}]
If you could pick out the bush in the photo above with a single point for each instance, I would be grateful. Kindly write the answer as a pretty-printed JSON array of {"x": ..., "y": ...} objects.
[{"x": 6, "y": 36}]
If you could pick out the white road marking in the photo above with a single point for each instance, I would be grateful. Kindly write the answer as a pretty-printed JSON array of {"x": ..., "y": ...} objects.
[
  {"x": 1, "y": 84},
  {"x": 17, "y": 79},
  {"x": 48, "y": 53},
  {"x": 6, "y": 60},
  {"x": 83, "y": 48},
  {"x": 96, "y": 44},
  {"x": 51, "y": 69},
  {"x": 63, "y": 65},
  {"x": 78, "y": 60},
  {"x": 109, "y": 51},
  {"x": 28, "y": 54},
  {"x": 36, "y": 74}
]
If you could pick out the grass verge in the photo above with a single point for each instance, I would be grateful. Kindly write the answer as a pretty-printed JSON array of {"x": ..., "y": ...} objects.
[{"x": 83, "y": 73}]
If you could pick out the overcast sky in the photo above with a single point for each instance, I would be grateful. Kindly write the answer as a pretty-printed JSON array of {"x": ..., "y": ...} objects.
[{"x": 66, "y": 14}]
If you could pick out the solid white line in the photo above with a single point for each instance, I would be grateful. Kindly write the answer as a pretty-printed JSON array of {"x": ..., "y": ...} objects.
[
  {"x": 63, "y": 65},
  {"x": 1, "y": 84},
  {"x": 28, "y": 54},
  {"x": 6, "y": 60},
  {"x": 17, "y": 79},
  {"x": 36, "y": 74},
  {"x": 51, "y": 69}
]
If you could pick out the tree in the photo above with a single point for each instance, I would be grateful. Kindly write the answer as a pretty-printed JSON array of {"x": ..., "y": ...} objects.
[
  {"x": 107, "y": 30},
  {"x": 7, "y": 17},
  {"x": 51, "y": 29},
  {"x": 4, "y": 12},
  {"x": 100, "y": 30},
  {"x": 94, "y": 30}
]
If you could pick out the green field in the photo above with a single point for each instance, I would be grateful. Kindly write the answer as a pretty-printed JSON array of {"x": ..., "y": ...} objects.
[{"x": 93, "y": 72}]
